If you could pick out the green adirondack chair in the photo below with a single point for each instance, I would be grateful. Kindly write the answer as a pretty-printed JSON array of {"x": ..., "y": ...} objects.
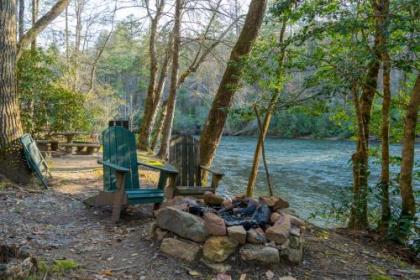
[
  {"x": 121, "y": 178},
  {"x": 34, "y": 159}
]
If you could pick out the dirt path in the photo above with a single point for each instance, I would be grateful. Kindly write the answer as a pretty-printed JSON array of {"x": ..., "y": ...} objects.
[{"x": 55, "y": 224}]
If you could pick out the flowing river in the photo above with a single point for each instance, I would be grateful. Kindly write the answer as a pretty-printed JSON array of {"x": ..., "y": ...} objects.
[{"x": 311, "y": 174}]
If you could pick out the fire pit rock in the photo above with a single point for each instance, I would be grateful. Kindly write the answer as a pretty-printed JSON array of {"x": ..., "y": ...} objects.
[
  {"x": 182, "y": 223},
  {"x": 214, "y": 224},
  {"x": 219, "y": 248},
  {"x": 260, "y": 253},
  {"x": 237, "y": 233},
  {"x": 183, "y": 249},
  {"x": 264, "y": 230}
]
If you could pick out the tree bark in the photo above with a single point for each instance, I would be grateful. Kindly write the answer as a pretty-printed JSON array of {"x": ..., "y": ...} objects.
[
  {"x": 159, "y": 126},
  {"x": 406, "y": 172},
  {"x": 66, "y": 34},
  {"x": 11, "y": 159},
  {"x": 35, "y": 11},
  {"x": 213, "y": 128},
  {"x": 21, "y": 18},
  {"x": 170, "y": 111},
  {"x": 382, "y": 15},
  {"x": 150, "y": 105},
  {"x": 40, "y": 25},
  {"x": 386, "y": 105},
  {"x": 359, "y": 215}
]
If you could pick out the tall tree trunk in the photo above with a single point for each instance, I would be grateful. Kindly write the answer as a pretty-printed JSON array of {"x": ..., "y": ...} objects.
[
  {"x": 35, "y": 11},
  {"x": 406, "y": 173},
  {"x": 170, "y": 111},
  {"x": 213, "y": 128},
  {"x": 159, "y": 126},
  {"x": 11, "y": 160},
  {"x": 267, "y": 119},
  {"x": 21, "y": 18},
  {"x": 386, "y": 211},
  {"x": 382, "y": 15},
  {"x": 359, "y": 214},
  {"x": 66, "y": 33},
  {"x": 150, "y": 106}
]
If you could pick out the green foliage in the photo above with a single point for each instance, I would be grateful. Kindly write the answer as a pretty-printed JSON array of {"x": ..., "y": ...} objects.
[
  {"x": 46, "y": 104},
  {"x": 62, "y": 266}
]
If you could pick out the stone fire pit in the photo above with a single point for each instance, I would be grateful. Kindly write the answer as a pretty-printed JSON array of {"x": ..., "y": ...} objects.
[{"x": 261, "y": 231}]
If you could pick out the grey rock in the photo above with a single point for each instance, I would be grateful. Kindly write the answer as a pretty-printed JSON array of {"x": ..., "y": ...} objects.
[
  {"x": 237, "y": 233},
  {"x": 280, "y": 231},
  {"x": 294, "y": 255},
  {"x": 182, "y": 223},
  {"x": 217, "y": 267},
  {"x": 219, "y": 248},
  {"x": 256, "y": 236},
  {"x": 184, "y": 250},
  {"x": 295, "y": 242},
  {"x": 260, "y": 253}
]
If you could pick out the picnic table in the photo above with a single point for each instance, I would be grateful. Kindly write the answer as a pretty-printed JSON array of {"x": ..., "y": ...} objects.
[
  {"x": 85, "y": 147},
  {"x": 69, "y": 135}
]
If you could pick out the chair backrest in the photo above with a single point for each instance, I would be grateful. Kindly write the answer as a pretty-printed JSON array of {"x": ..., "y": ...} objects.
[
  {"x": 119, "y": 147},
  {"x": 34, "y": 158},
  {"x": 184, "y": 154}
]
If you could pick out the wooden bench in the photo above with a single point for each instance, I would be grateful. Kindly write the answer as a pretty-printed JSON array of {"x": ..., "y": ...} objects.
[{"x": 81, "y": 148}]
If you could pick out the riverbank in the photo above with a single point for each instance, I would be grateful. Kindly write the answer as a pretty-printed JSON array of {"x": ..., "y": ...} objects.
[{"x": 55, "y": 225}]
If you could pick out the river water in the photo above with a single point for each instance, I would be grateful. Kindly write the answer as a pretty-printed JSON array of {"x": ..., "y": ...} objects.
[{"x": 310, "y": 174}]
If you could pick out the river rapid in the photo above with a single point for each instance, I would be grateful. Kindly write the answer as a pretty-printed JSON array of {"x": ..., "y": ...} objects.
[{"x": 311, "y": 174}]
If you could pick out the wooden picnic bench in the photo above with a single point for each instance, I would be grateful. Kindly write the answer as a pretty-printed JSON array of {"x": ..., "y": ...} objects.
[{"x": 81, "y": 148}]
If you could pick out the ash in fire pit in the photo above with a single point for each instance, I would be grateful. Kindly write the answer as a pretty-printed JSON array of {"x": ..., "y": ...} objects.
[
  {"x": 241, "y": 212},
  {"x": 263, "y": 229}
]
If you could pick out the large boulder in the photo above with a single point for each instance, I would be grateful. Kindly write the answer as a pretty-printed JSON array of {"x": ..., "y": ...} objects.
[
  {"x": 280, "y": 231},
  {"x": 184, "y": 250},
  {"x": 215, "y": 225},
  {"x": 182, "y": 223},
  {"x": 219, "y": 248},
  {"x": 237, "y": 233},
  {"x": 260, "y": 253},
  {"x": 256, "y": 236}
]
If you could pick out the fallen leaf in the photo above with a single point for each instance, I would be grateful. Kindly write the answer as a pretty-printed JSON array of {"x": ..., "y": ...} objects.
[
  {"x": 269, "y": 274},
  {"x": 194, "y": 273},
  {"x": 106, "y": 272}
]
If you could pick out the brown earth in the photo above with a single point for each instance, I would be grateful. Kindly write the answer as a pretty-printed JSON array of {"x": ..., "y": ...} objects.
[{"x": 54, "y": 224}]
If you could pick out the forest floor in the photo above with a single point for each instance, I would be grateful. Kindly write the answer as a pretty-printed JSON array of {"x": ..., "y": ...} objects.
[{"x": 55, "y": 224}]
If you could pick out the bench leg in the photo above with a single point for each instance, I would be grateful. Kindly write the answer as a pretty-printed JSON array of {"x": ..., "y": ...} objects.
[{"x": 118, "y": 197}]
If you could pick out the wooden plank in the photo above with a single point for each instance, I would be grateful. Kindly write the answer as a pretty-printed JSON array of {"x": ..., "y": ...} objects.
[{"x": 34, "y": 158}]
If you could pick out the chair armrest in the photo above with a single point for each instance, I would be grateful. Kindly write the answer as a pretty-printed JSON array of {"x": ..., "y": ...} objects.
[
  {"x": 167, "y": 168},
  {"x": 114, "y": 166},
  {"x": 214, "y": 172}
]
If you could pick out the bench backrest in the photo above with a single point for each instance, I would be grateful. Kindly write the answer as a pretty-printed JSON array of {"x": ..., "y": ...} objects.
[
  {"x": 120, "y": 148},
  {"x": 34, "y": 158},
  {"x": 184, "y": 154}
]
